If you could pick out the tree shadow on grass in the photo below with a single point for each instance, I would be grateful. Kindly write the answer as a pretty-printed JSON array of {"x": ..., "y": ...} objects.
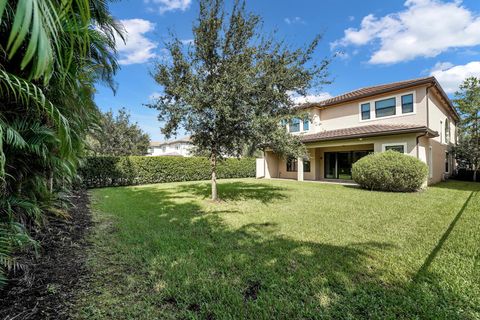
[
  {"x": 170, "y": 259},
  {"x": 234, "y": 191},
  {"x": 458, "y": 185}
]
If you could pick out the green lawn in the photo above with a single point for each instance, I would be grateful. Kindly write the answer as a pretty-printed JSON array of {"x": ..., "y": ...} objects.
[{"x": 285, "y": 250}]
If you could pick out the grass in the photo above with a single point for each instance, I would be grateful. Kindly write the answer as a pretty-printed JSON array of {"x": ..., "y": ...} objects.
[{"x": 284, "y": 250}]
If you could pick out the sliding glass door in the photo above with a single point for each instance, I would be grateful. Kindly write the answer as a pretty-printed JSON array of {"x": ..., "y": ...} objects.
[{"x": 338, "y": 165}]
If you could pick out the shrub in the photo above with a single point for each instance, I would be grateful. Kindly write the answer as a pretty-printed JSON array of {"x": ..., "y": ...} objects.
[
  {"x": 390, "y": 171},
  {"x": 133, "y": 170}
]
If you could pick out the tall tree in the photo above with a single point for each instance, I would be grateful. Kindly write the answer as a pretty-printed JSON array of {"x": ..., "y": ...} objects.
[
  {"x": 117, "y": 136},
  {"x": 467, "y": 100},
  {"x": 232, "y": 87},
  {"x": 52, "y": 53}
]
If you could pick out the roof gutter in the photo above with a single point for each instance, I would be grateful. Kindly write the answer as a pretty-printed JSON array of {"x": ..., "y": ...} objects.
[{"x": 375, "y": 134}]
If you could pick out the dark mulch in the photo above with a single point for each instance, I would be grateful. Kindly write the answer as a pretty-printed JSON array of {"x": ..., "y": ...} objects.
[{"x": 46, "y": 289}]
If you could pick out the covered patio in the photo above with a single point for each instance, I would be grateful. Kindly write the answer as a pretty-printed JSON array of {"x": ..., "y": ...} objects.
[
  {"x": 331, "y": 154},
  {"x": 322, "y": 164}
]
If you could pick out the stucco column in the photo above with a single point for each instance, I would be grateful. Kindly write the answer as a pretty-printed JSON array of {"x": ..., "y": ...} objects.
[{"x": 300, "y": 169}]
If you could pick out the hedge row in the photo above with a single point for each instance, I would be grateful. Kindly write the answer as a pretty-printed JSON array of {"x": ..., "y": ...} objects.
[
  {"x": 133, "y": 170},
  {"x": 466, "y": 175}
]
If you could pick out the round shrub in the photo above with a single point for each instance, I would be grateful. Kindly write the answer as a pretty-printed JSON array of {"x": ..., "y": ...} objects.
[{"x": 390, "y": 171}]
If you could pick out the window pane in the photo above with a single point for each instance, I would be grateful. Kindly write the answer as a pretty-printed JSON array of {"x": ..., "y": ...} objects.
[
  {"x": 384, "y": 108},
  {"x": 447, "y": 162},
  {"x": 447, "y": 131},
  {"x": 407, "y": 103},
  {"x": 398, "y": 148},
  {"x": 291, "y": 165},
  {"x": 306, "y": 165},
  {"x": 306, "y": 124},
  {"x": 365, "y": 111},
  {"x": 295, "y": 125}
]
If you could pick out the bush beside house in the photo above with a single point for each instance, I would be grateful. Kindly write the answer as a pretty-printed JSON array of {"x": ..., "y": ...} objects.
[
  {"x": 134, "y": 170},
  {"x": 390, "y": 171}
]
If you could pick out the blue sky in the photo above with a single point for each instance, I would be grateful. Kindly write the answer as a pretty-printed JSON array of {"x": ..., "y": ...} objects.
[{"x": 381, "y": 41}]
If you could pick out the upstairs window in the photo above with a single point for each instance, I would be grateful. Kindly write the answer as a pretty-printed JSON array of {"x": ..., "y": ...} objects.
[
  {"x": 306, "y": 124},
  {"x": 365, "y": 111},
  {"x": 295, "y": 125},
  {"x": 385, "y": 108},
  {"x": 447, "y": 131},
  {"x": 407, "y": 103},
  {"x": 441, "y": 132}
]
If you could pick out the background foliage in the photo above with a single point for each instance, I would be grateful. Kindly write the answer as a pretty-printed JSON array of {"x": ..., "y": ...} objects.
[
  {"x": 117, "y": 136},
  {"x": 390, "y": 171},
  {"x": 132, "y": 170},
  {"x": 467, "y": 101}
]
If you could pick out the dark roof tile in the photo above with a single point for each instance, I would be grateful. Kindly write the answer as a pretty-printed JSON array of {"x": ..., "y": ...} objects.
[{"x": 364, "y": 131}]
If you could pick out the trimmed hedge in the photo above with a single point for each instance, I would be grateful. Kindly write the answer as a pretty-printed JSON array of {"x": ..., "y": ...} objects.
[
  {"x": 134, "y": 170},
  {"x": 390, "y": 171},
  {"x": 466, "y": 175}
]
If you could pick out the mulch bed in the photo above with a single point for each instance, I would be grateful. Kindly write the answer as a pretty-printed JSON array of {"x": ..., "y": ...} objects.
[{"x": 46, "y": 288}]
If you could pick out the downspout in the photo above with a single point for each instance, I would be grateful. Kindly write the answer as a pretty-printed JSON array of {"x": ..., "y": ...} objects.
[{"x": 418, "y": 140}]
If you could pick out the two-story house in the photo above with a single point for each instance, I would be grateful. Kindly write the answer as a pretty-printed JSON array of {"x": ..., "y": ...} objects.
[
  {"x": 414, "y": 117},
  {"x": 180, "y": 148}
]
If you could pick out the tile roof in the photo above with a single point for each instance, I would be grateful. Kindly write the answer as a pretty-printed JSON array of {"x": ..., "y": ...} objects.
[
  {"x": 161, "y": 143},
  {"x": 379, "y": 89},
  {"x": 365, "y": 131}
]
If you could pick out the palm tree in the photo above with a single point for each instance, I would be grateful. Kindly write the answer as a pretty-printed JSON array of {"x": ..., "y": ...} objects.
[{"x": 52, "y": 52}]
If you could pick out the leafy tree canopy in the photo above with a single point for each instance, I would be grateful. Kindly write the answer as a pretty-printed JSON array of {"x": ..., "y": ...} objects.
[
  {"x": 117, "y": 136},
  {"x": 232, "y": 87},
  {"x": 467, "y": 101}
]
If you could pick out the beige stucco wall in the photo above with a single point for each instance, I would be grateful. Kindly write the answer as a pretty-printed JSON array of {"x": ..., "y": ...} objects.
[
  {"x": 276, "y": 166},
  {"x": 347, "y": 115},
  {"x": 437, "y": 113}
]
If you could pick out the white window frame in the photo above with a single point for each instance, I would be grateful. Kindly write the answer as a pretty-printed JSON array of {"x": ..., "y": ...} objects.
[
  {"x": 301, "y": 125},
  {"x": 398, "y": 107},
  {"x": 404, "y": 144},
  {"x": 442, "y": 127},
  {"x": 447, "y": 125}
]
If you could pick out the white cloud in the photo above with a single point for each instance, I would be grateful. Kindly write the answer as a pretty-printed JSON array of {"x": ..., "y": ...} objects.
[
  {"x": 425, "y": 28},
  {"x": 154, "y": 96},
  {"x": 294, "y": 20},
  {"x": 450, "y": 76},
  {"x": 138, "y": 48},
  {"x": 187, "y": 41},
  {"x": 311, "y": 98},
  {"x": 170, "y": 5}
]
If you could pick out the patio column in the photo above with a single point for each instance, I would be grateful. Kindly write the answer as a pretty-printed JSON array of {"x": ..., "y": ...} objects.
[{"x": 300, "y": 169}]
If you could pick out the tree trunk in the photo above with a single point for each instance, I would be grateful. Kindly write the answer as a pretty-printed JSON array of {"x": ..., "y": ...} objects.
[
  {"x": 475, "y": 173},
  {"x": 213, "y": 162}
]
